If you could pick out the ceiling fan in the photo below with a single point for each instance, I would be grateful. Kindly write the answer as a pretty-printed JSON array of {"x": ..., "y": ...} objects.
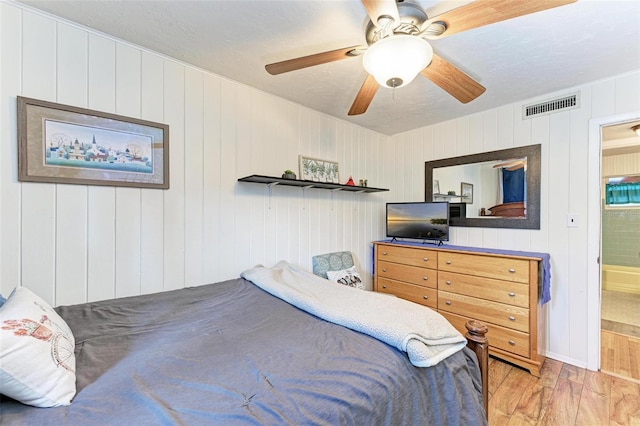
[{"x": 400, "y": 30}]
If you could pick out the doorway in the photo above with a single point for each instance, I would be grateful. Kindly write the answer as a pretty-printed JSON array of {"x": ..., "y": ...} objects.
[
  {"x": 594, "y": 208},
  {"x": 620, "y": 248}
]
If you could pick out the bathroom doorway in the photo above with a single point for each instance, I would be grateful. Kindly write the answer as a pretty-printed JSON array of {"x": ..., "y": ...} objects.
[{"x": 620, "y": 250}]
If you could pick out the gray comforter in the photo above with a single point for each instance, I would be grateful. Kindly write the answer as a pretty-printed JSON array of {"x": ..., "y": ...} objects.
[{"x": 230, "y": 353}]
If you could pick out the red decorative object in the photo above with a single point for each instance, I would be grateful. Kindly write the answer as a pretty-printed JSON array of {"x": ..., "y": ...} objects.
[{"x": 350, "y": 182}]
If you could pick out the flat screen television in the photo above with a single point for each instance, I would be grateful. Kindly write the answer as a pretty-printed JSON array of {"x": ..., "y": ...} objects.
[{"x": 419, "y": 220}]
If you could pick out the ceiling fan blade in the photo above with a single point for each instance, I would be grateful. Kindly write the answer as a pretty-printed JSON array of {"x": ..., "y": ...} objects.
[
  {"x": 310, "y": 61},
  {"x": 364, "y": 96},
  {"x": 486, "y": 12},
  {"x": 452, "y": 80},
  {"x": 377, "y": 8}
]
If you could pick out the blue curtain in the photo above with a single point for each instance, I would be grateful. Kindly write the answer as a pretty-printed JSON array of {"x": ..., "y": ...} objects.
[
  {"x": 623, "y": 193},
  {"x": 512, "y": 185}
]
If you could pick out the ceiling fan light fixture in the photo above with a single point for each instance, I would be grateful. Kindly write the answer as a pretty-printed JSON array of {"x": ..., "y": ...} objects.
[{"x": 396, "y": 60}]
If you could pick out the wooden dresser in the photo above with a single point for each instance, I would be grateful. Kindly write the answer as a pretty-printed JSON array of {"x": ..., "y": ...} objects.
[{"x": 499, "y": 290}]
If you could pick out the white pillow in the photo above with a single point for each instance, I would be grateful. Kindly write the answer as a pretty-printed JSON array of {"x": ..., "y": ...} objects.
[
  {"x": 349, "y": 276},
  {"x": 37, "y": 362}
]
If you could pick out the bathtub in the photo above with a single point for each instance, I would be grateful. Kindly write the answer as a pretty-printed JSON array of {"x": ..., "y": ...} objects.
[{"x": 621, "y": 278}]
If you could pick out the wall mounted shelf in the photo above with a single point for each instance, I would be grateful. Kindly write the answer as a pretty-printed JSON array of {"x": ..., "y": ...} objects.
[
  {"x": 306, "y": 184},
  {"x": 446, "y": 196}
]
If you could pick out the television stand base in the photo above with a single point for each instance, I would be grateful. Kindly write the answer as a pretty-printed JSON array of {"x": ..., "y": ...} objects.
[{"x": 436, "y": 242}]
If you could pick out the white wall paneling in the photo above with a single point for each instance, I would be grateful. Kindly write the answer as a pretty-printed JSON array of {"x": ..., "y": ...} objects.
[
  {"x": 128, "y": 206},
  {"x": 564, "y": 137},
  {"x": 38, "y": 201},
  {"x": 71, "y": 200},
  {"x": 174, "y": 200},
  {"x": 101, "y": 223},
  {"x": 101, "y": 243},
  {"x": 193, "y": 177},
  {"x": 81, "y": 243},
  {"x": 577, "y": 196},
  {"x": 152, "y": 201},
  {"x": 75, "y": 243},
  {"x": 10, "y": 194}
]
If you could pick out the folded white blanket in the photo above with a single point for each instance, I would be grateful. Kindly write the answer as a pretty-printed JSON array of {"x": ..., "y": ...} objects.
[{"x": 424, "y": 334}]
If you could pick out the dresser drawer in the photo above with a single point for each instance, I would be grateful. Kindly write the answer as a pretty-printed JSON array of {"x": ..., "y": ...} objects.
[
  {"x": 411, "y": 274},
  {"x": 502, "y": 268},
  {"x": 408, "y": 256},
  {"x": 485, "y": 288},
  {"x": 418, "y": 294},
  {"x": 492, "y": 312},
  {"x": 499, "y": 337}
]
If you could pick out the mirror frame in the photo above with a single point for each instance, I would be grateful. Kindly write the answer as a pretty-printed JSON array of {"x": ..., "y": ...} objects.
[{"x": 531, "y": 221}]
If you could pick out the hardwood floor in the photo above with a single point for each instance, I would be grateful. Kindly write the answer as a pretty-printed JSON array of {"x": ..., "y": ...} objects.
[
  {"x": 562, "y": 395},
  {"x": 620, "y": 355}
]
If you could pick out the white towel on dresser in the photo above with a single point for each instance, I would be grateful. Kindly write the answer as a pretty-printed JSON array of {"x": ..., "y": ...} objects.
[{"x": 425, "y": 335}]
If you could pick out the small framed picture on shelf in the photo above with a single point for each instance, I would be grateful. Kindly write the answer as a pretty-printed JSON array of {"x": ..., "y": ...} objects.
[
  {"x": 318, "y": 170},
  {"x": 466, "y": 192}
]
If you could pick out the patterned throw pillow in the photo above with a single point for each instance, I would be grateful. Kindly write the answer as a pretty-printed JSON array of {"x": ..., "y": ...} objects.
[
  {"x": 335, "y": 261},
  {"x": 37, "y": 361},
  {"x": 349, "y": 276}
]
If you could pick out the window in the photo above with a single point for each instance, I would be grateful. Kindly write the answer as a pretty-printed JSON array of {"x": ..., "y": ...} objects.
[{"x": 622, "y": 191}]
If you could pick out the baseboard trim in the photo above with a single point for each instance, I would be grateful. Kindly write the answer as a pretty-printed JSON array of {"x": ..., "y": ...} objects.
[{"x": 566, "y": 360}]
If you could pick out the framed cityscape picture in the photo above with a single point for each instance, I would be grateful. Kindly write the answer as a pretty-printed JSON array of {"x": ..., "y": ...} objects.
[{"x": 66, "y": 144}]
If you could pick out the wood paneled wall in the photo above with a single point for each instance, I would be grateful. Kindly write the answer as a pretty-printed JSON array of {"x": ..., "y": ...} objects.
[{"x": 72, "y": 243}]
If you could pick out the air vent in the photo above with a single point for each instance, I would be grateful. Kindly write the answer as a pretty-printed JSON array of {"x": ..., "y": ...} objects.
[{"x": 554, "y": 105}]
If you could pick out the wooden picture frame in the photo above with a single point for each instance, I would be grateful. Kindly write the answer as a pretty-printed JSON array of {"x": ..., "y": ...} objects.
[
  {"x": 71, "y": 145},
  {"x": 466, "y": 193},
  {"x": 317, "y": 170}
]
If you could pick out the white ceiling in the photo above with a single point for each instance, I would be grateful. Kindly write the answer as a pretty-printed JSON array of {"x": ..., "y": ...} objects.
[
  {"x": 619, "y": 139},
  {"x": 515, "y": 60}
]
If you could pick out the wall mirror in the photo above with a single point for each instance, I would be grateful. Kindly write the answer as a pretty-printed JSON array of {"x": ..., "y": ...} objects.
[{"x": 497, "y": 189}]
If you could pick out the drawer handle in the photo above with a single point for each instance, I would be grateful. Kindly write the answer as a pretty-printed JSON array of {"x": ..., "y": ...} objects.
[
  {"x": 448, "y": 262},
  {"x": 447, "y": 282},
  {"x": 448, "y": 302},
  {"x": 425, "y": 278},
  {"x": 512, "y": 318},
  {"x": 384, "y": 286},
  {"x": 512, "y": 343},
  {"x": 384, "y": 253},
  {"x": 513, "y": 271},
  {"x": 425, "y": 297},
  {"x": 426, "y": 259},
  {"x": 511, "y": 294},
  {"x": 384, "y": 269}
]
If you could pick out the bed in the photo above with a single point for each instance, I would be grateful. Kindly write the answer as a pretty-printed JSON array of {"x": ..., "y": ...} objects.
[
  {"x": 515, "y": 209},
  {"x": 235, "y": 353}
]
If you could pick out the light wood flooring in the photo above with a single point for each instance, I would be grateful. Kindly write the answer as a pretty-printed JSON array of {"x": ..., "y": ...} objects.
[
  {"x": 620, "y": 355},
  {"x": 563, "y": 395}
]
